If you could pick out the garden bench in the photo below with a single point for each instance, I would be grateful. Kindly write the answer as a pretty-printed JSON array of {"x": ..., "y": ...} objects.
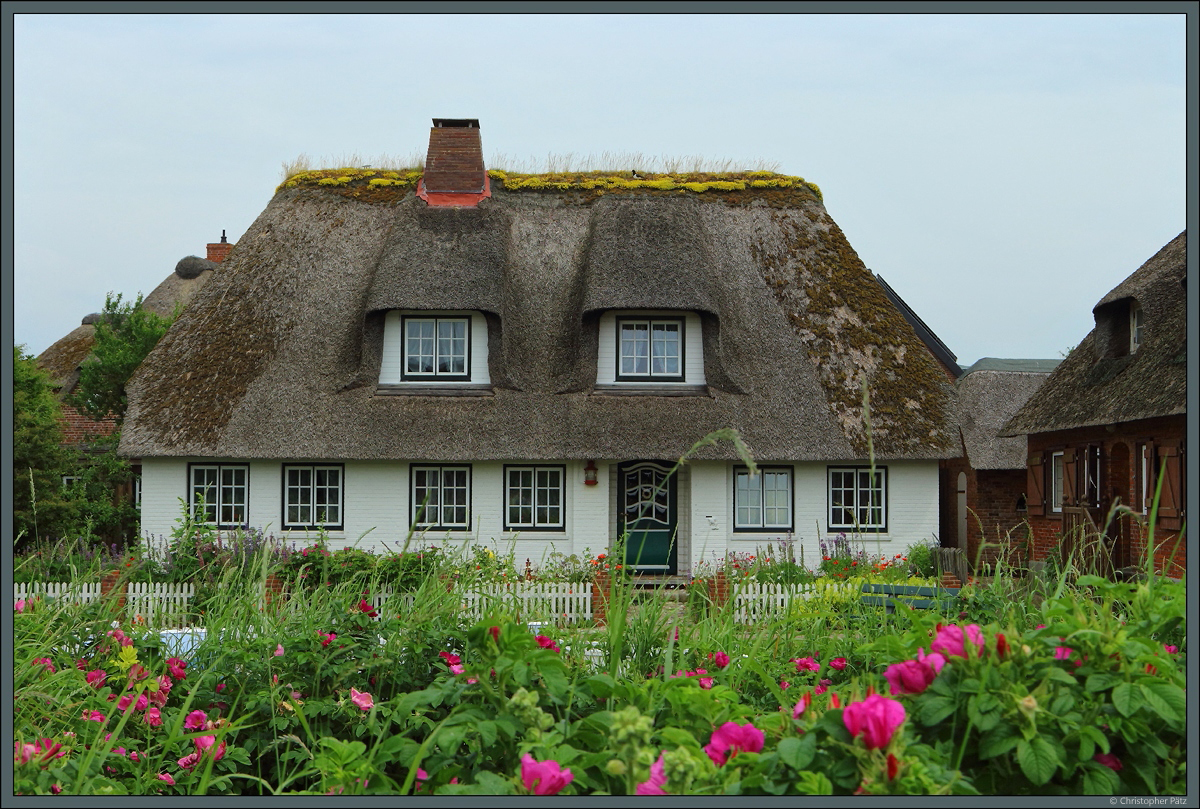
[{"x": 919, "y": 598}]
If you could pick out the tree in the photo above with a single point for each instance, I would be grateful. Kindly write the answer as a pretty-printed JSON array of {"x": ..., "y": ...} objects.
[
  {"x": 124, "y": 336},
  {"x": 40, "y": 507}
]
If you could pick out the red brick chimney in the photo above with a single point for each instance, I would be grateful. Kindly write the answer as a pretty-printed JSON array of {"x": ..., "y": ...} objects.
[
  {"x": 218, "y": 251},
  {"x": 454, "y": 172}
]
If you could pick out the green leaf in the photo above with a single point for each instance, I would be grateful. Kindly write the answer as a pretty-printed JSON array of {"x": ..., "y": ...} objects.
[
  {"x": 1099, "y": 780},
  {"x": 969, "y": 685},
  {"x": 1038, "y": 759},
  {"x": 1092, "y": 581},
  {"x": 678, "y": 737},
  {"x": 998, "y": 741},
  {"x": 1055, "y": 673},
  {"x": 1126, "y": 699},
  {"x": 935, "y": 709},
  {"x": 1096, "y": 736},
  {"x": 798, "y": 753},
  {"x": 1164, "y": 699},
  {"x": 487, "y": 732},
  {"x": 813, "y": 783},
  {"x": 1087, "y": 747},
  {"x": 1101, "y": 682},
  {"x": 601, "y": 685},
  {"x": 1062, "y": 704}
]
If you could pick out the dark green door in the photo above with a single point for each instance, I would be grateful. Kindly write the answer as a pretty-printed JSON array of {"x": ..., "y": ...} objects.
[{"x": 646, "y": 510}]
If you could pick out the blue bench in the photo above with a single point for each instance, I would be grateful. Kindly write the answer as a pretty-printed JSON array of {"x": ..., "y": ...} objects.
[{"x": 919, "y": 598}]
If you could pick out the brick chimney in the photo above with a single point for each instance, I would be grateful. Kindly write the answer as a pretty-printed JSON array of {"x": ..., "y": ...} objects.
[
  {"x": 454, "y": 172},
  {"x": 218, "y": 251}
]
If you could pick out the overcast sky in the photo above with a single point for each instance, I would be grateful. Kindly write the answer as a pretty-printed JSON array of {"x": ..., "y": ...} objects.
[{"x": 1002, "y": 173}]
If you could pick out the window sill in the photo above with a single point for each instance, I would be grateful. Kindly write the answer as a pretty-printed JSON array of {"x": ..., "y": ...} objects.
[
  {"x": 445, "y": 389},
  {"x": 646, "y": 389}
]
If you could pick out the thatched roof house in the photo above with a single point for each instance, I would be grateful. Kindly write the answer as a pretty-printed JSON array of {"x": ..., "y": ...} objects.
[
  {"x": 1108, "y": 424},
  {"x": 771, "y": 322}
]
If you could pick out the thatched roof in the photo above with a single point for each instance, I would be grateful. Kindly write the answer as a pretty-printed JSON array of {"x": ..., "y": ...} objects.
[
  {"x": 279, "y": 357},
  {"x": 989, "y": 393},
  {"x": 63, "y": 358},
  {"x": 1093, "y": 387}
]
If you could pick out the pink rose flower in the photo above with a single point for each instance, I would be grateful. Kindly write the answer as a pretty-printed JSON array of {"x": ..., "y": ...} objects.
[
  {"x": 875, "y": 719},
  {"x": 657, "y": 780},
  {"x": 93, "y": 716},
  {"x": 326, "y": 637},
  {"x": 719, "y": 659},
  {"x": 546, "y": 643},
  {"x": 45, "y": 661},
  {"x": 190, "y": 760},
  {"x": 801, "y": 706},
  {"x": 195, "y": 720},
  {"x": 544, "y": 777},
  {"x": 1108, "y": 760},
  {"x": 279, "y": 650},
  {"x": 732, "y": 738},
  {"x": 1170, "y": 649},
  {"x": 838, "y": 663},
  {"x": 366, "y": 608},
  {"x": 951, "y": 640},
  {"x": 153, "y": 717},
  {"x": 177, "y": 667},
  {"x": 19, "y": 605},
  {"x": 914, "y": 676},
  {"x": 167, "y": 778},
  {"x": 806, "y": 664},
  {"x": 362, "y": 699},
  {"x": 96, "y": 677}
]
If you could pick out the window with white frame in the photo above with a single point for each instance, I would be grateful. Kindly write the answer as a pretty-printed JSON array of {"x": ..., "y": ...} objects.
[
  {"x": 437, "y": 348},
  {"x": 219, "y": 494},
  {"x": 534, "y": 498},
  {"x": 441, "y": 497},
  {"x": 1056, "y": 482},
  {"x": 762, "y": 501},
  {"x": 1135, "y": 326},
  {"x": 312, "y": 496},
  {"x": 858, "y": 498},
  {"x": 650, "y": 349}
]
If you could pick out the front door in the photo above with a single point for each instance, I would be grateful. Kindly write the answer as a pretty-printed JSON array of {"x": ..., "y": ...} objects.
[{"x": 646, "y": 512}]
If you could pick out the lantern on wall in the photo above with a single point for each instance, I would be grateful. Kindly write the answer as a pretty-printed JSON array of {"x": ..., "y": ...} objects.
[{"x": 589, "y": 474}]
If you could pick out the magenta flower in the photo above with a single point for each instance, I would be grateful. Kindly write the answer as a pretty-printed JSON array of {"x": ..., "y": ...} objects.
[
  {"x": 546, "y": 643},
  {"x": 205, "y": 743},
  {"x": 706, "y": 682},
  {"x": 44, "y": 661},
  {"x": 362, "y": 699},
  {"x": 951, "y": 640},
  {"x": 279, "y": 650},
  {"x": 19, "y": 605},
  {"x": 914, "y": 676},
  {"x": 153, "y": 717},
  {"x": 220, "y": 687},
  {"x": 451, "y": 659},
  {"x": 142, "y": 702},
  {"x": 93, "y": 716},
  {"x": 457, "y": 669},
  {"x": 366, "y": 608},
  {"x": 784, "y": 685},
  {"x": 801, "y": 706},
  {"x": 875, "y": 719},
  {"x": 732, "y": 738},
  {"x": 326, "y": 637},
  {"x": 544, "y": 777},
  {"x": 719, "y": 659},
  {"x": 167, "y": 778},
  {"x": 176, "y": 667},
  {"x": 159, "y": 697},
  {"x": 96, "y": 677},
  {"x": 657, "y": 780},
  {"x": 495, "y": 630},
  {"x": 124, "y": 702},
  {"x": 1170, "y": 649},
  {"x": 806, "y": 664},
  {"x": 838, "y": 663},
  {"x": 195, "y": 720},
  {"x": 190, "y": 760},
  {"x": 1108, "y": 760}
]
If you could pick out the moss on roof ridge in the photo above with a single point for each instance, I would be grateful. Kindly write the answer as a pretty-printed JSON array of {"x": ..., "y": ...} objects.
[{"x": 360, "y": 183}]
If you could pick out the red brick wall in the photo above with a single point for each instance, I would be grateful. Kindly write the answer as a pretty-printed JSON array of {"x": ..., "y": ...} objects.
[
  {"x": 79, "y": 429},
  {"x": 218, "y": 251},
  {"x": 1169, "y": 552}
]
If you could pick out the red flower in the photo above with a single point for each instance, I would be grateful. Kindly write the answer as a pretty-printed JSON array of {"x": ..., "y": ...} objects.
[
  {"x": 1108, "y": 760},
  {"x": 366, "y": 608},
  {"x": 838, "y": 663},
  {"x": 495, "y": 630},
  {"x": 1001, "y": 644},
  {"x": 893, "y": 767}
]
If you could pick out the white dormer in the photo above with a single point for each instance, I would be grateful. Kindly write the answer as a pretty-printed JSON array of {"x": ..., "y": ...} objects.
[
  {"x": 434, "y": 349},
  {"x": 650, "y": 348}
]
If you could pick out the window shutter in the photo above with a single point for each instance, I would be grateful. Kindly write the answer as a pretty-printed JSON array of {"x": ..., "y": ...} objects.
[
  {"x": 1070, "y": 477},
  {"x": 1170, "y": 504},
  {"x": 1035, "y": 485}
]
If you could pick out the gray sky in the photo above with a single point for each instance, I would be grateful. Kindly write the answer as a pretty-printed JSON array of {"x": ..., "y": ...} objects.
[{"x": 1002, "y": 172}]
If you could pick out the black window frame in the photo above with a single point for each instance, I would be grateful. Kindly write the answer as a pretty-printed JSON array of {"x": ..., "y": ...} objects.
[
  {"x": 414, "y": 506},
  {"x": 191, "y": 494},
  {"x": 762, "y": 527},
  {"x": 650, "y": 320},
  {"x": 315, "y": 526},
  {"x": 856, "y": 468},
  {"x": 436, "y": 376},
  {"x": 562, "y": 497}
]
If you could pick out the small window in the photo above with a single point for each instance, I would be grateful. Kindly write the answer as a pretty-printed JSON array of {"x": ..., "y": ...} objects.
[
  {"x": 650, "y": 349},
  {"x": 1135, "y": 326},
  {"x": 441, "y": 497},
  {"x": 312, "y": 497},
  {"x": 1091, "y": 472},
  {"x": 1021, "y": 504},
  {"x": 534, "y": 498},
  {"x": 437, "y": 348},
  {"x": 858, "y": 499},
  {"x": 762, "y": 501},
  {"x": 219, "y": 494},
  {"x": 1056, "y": 482},
  {"x": 71, "y": 480}
]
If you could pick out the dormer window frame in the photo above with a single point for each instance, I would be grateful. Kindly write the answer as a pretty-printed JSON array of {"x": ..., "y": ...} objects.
[
  {"x": 662, "y": 323},
  {"x": 1137, "y": 322},
  {"x": 436, "y": 340}
]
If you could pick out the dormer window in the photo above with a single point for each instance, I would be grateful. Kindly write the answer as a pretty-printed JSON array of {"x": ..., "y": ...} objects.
[
  {"x": 437, "y": 348},
  {"x": 1135, "y": 326},
  {"x": 650, "y": 349}
]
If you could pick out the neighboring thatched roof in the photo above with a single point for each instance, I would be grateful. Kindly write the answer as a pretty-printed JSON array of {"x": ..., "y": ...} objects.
[
  {"x": 279, "y": 357},
  {"x": 63, "y": 358},
  {"x": 1092, "y": 387},
  {"x": 989, "y": 393}
]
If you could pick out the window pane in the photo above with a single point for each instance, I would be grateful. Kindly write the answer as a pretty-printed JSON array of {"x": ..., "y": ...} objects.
[
  {"x": 520, "y": 497},
  {"x": 425, "y": 491},
  {"x": 635, "y": 348},
  {"x": 665, "y": 349},
  {"x": 749, "y": 500},
  {"x": 452, "y": 346},
  {"x": 776, "y": 498}
]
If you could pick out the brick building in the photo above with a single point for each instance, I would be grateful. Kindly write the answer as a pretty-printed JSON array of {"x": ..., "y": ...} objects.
[{"x": 1108, "y": 428}]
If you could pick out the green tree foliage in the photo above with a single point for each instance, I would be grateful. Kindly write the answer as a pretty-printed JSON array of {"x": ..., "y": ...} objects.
[
  {"x": 39, "y": 461},
  {"x": 124, "y": 336}
]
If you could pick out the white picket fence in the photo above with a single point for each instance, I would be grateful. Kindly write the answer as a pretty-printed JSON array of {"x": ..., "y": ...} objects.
[
  {"x": 526, "y": 600},
  {"x": 755, "y": 601},
  {"x": 160, "y": 605}
]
